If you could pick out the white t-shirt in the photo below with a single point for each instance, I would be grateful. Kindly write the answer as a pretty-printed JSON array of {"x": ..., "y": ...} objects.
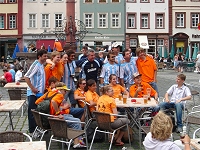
[
  {"x": 198, "y": 58},
  {"x": 18, "y": 75}
]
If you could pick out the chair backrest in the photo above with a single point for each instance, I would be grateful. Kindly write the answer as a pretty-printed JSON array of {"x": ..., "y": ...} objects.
[
  {"x": 103, "y": 120},
  {"x": 89, "y": 114},
  {"x": 58, "y": 127},
  {"x": 38, "y": 119},
  {"x": 14, "y": 94},
  {"x": 13, "y": 136}
]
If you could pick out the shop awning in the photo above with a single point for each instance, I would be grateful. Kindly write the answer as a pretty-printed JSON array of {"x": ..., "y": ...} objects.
[
  {"x": 143, "y": 41},
  {"x": 46, "y": 43}
]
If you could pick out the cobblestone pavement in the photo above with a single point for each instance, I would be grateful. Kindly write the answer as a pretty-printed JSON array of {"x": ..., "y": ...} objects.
[{"x": 165, "y": 79}]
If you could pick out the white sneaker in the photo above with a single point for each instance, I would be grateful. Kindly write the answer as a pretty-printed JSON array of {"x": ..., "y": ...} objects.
[{"x": 79, "y": 146}]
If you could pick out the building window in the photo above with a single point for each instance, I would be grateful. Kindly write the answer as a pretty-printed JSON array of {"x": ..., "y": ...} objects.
[
  {"x": 45, "y": 20},
  {"x": 102, "y": 1},
  {"x": 133, "y": 43},
  {"x": 2, "y": 1},
  {"x": 159, "y": 1},
  {"x": 159, "y": 21},
  {"x": 194, "y": 0},
  {"x": 58, "y": 20},
  {"x": 180, "y": 20},
  {"x": 152, "y": 46},
  {"x": 131, "y": 21},
  {"x": 88, "y": 1},
  {"x": 45, "y": 0},
  {"x": 102, "y": 20},
  {"x": 2, "y": 22},
  {"x": 115, "y": 1},
  {"x": 58, "y": 0},
  {"x": 144, "y": 1},
  {"x": 32, "y": 0},
  {"x": 115, "y": 20},
  {"x": 144, "y": 20},
  {"x": 195, "y": 20},
  {"x": 12, "y": 21},
  {"x": 12, "y": 1},
  {"x": 131, "y": 1},
  {"x": 32, "y": 20},
  {"x": 160, "y": 42},
  {"x": 89, "y": 20}
]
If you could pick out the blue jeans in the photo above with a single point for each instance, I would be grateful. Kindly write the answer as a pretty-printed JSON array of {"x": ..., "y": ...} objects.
[
  {"x": 154, "y": 86},
  {"x": 76, "y": 112},
  {"x": 73, "y": 125},
  {"x": 178, "y": 107},
  {"x": 31, "y": 105},
  {"x": 70, "y": 94}
]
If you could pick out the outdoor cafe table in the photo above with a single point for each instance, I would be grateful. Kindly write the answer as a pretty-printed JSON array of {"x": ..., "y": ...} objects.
[
  {"x": 9, "y": 106},
  {"x": 13, "y": 85},
  {"x": 139, "y": 103},
  {"x": 36, "y": 145},
  {"x": 194, "y": 143}
]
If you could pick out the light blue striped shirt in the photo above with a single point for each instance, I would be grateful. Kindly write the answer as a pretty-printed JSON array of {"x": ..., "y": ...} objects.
[
  {"x": 107, "y": 70},
  {"x": 67, "y": 79},
  {"x": 36, "y": 74},
  {"x": 127, "y": 70}
]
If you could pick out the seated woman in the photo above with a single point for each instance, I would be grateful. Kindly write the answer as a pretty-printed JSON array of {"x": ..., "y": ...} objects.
[
  {"x": 159, "y": 136},
  {"x": 90, "y": 94},
  {"x": 106, "y": 103},
  {"x": 79, "y": 94},
  {"x": 117, "y": 88}
]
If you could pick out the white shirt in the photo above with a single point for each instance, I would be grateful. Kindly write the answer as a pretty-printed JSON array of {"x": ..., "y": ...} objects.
[
  {"x": 198, "y": 58},
  {"x": 18, "y": 75}
]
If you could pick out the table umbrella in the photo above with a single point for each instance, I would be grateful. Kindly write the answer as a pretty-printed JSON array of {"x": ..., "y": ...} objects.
[
  {"x": 16, "y": 50},
  {"x": 25, "y": 49},
  {"x": 165, "y": 52},
  {"x": 187, "y": 53},
  {"x": 194, "y": 56},
  {"x": 49, "y": 49},
  {"x": 172, "y": 52}
]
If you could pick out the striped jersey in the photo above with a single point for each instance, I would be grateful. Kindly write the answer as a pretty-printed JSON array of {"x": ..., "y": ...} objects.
[
  {"x": 36, "y": 74},
  {"x": 127, "y": 69},
  {"x": 69, "y": 70},
  {"x": 107, "y": 70}
]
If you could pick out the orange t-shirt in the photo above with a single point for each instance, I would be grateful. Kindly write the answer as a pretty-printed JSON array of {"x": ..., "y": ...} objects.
[
  {"x": 117, "y": 89},
  {"x": 80, "y": 93},
  {"x": 58, "y": 46},
  {"x": 58, "y": 98},
  {"x": 147, "y": 68},
  {"x": 106, "y": 104},
  {"x": 91, "y": 96},
  {"x": 57, "y": 72},
  {"x": 143, "y": 92}
]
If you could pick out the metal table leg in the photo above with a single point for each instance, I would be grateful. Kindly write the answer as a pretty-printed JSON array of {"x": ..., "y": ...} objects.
[{"x": 11, "y": 124}]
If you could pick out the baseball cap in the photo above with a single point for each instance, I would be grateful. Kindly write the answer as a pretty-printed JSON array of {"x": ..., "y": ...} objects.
[
  {"x": 63, "y": 88},
  {"x": 136, "y": 74},
  {"x": 115, "y": 44}
]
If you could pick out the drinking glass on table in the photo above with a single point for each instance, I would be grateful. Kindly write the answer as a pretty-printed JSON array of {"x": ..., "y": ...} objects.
[
  {"x": 145, "y": 99},
  {"x": 124, "y": 99},
  {"x": 149, "y": 93}
]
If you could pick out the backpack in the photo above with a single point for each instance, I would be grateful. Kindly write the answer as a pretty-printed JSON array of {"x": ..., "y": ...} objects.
[
  {"x": 99, "y": 137},
  {"x": 43, "y": 107}
]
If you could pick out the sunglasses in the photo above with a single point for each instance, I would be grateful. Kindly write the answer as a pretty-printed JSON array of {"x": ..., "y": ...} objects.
[{"x": 83, "y": 83}]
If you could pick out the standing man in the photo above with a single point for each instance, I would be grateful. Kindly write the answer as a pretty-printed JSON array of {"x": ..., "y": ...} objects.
[
  {"x": 84, "y": 53},
  {"x": 127, "y": 69},
  {"x": 179, "y": 93},
  {"x": 35, "y": 78},
  {"x": 147, "y": 67},
  {"x": 109, "y": 68},
  {"x": 69, "y": 77},
  {"x": 90, "y": 66}
]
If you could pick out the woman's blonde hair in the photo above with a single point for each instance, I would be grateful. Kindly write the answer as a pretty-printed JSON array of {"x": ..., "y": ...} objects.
[
  {"x": 138, "y": 50},
  {"x": 104, "y": 89},
  {"x": 161, "y": 127},
  {"x": 54, "y": 53}
]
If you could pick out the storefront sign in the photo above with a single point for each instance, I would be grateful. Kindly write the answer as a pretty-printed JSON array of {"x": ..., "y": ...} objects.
[
  {"x": 102, "y": 37},
  {"x": 195, "y": 35}
]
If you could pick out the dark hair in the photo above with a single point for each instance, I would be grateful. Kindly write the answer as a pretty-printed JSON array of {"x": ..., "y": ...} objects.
[
  {"x": 21, "y": 68},
  {"x": 41, "y": 52},
  {"x": 110, "y": 77},
  {"x": 70, "y": 52},
  {"x": 62, "y": 54},
  {"x": 110, "y": 53},
  {"x": 124, "y": 52},
  {"x": 104, "y": 89},
  {"x": 85, "y": 47},
  {"x": 5, "y": 70},
  {"x": 52, "y": 79},
  {"x": 79, "y": 82},
  {"x": 181, "y": 76},
  {"x": 89, "y": 82}
]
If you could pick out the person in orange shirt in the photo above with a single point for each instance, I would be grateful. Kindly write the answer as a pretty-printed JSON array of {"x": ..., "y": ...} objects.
[
  {"x": 91, "y": 96},
  {"x": 139, "y": 88},
  {"x": 117, "y": 88},
  {"x": 57, "y": 46},
  {"x": 147, "y": 67},
  {"x": 79, "y": 93},
  {"x": 57, "y": 71},
  {"x": 106, "y": 103},
  {"x": 52, "y": 84}
]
